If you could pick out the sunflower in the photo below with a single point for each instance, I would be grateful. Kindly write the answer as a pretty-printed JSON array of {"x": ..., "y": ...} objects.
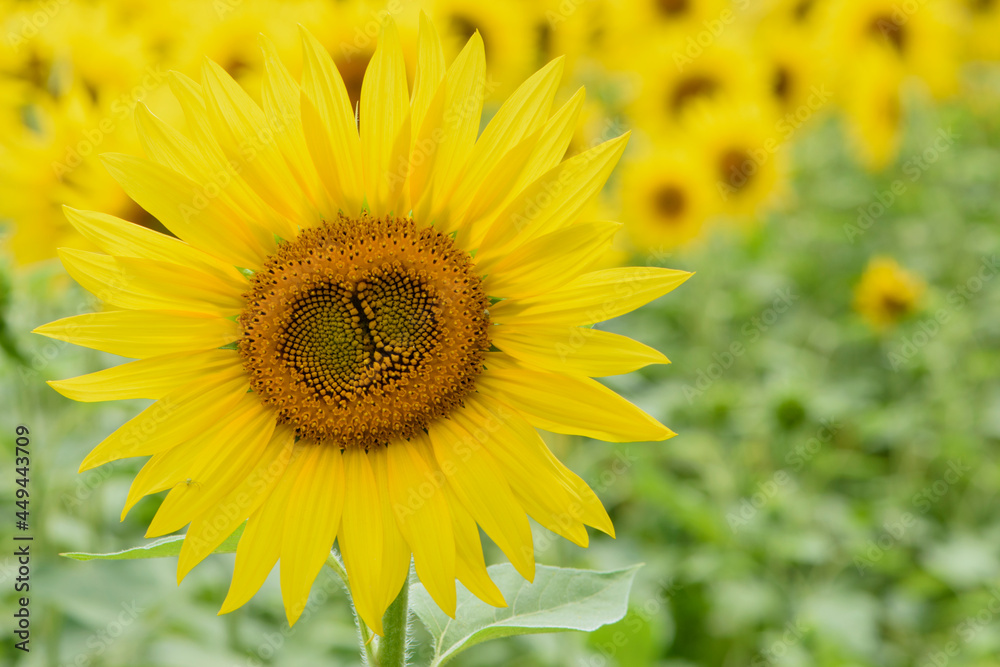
[
  {"x": 51, "y": 160},
  {"x": 656, "y": 19},
  {"x": 666, "y": 197},
  {"x": 745, "y": 149},
  {"x": 361, "y": 324},
  {"x": 855, "y": 28},
  {"x": 887, "y": 293},
  {"x": 506, "y": 29},
  {"x": 678, "y": 83},
  {"x": 980, "y": 22},
  {"x": 796, "y": 74},
  {"x": 874, "y": 110}
]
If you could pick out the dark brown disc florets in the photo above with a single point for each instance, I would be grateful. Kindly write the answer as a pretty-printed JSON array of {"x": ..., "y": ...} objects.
[{"x": 362, "y": 331}]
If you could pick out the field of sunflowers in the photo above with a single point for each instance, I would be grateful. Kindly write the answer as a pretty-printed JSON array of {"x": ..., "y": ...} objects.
[{"x": 827, "y": 169}]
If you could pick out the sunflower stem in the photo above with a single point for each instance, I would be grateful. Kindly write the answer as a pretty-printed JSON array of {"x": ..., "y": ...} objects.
[
  {"x": 396, "y": 623},
  {"x": 365, "y": 639}
]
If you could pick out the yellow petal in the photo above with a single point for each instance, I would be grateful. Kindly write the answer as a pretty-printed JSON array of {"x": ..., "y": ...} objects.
[
  {"x": 394, "y": 564},
  {"x": 384, "y": 109},
  {"x": 150, "y": 378},
  {"x": 329, "y": 122},
  {"x": 464, "y": 90},
  {"x": 148, "y": 284},
  {"x": 216, "y": 168},
  {"x": 189, "y": 210},
  {"x": 362, "y": 540},
  {"x": 127, "y": 239},
  {"x": 205, "y": 164},
  {"x": 537, "y": 490},
  {"x": 260, "y": 544},
  {"x": 547, "y": 262},
  {"x": 243, "y": 133},
  {"x": 574, "y": 350},
  {"x": 143, "y": 333},
  {"x": 470, "y": 567},
  {"x": 217, "y": 523},
  {"x": 421, "y": 510},
  {"x": 553, "y": 142},
  {"x": 584, "y": 406},
  {"x": 525, "y": 445},
  {"x": 471, "y": 474},
  {"x": 474, "y": 222},
  {"x": 554, "y": 200},
  {"x": 225, "y": 458},
  {"x": 592, "y": 297},
  {"x": 181, "y": 461},
  {"x": 281, "y": 96},
  {"x": 179, "y": 415},
  {"x": 312, "y": 518},
  {"x": 522, "y": 114},
  {"x": 430, "y": 71}
]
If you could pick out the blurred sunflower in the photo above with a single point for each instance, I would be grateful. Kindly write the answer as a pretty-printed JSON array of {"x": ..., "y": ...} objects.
[
  {"x": 887, "y": 293},
  {"x": 506, "y": 29},
  {"x": 874, "y": 110},
  {"x": 629, "y": 20},
  {"x": 858, "y": 28},
  {"x": 51, "y": 160},
  {"x": 676, "y": 87},
  {"x": 743, "y": 146},
  {"x": 981, "y": 25},
  {"x": 795, "y": 71},
  {"x": 328, "y": 356},
  {"x": 667, "y": 197}
]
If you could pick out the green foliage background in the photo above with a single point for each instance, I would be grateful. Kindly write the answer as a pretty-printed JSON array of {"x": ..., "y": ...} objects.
[{"x": 830, "y": 499}]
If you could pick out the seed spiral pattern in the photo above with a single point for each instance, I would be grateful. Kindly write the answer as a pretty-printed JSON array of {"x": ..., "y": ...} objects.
[{"x": 362, "y": 331}]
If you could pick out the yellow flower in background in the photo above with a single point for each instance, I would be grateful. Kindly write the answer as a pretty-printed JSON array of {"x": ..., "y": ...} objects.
[
  {"x": 921, "y": 36},
  {"x": 744, "y": 147},
  {"x": 54, "y": 163},
  {"x": 980, "y": 20},
  {"x": 506, "y": 29},
  {"x": 873, "y": 110},
  {"x": 675, "y": 87},
  {"x": 667, "y": 197},
  {"x": 887, "y": 293},
  {"x": 629, "y": 20},
  {"x": 354, "y": 334},
  {"x": 796, "y": 75}
]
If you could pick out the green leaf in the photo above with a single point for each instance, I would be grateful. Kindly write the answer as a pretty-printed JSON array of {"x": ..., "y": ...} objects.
[
  {"x": 161, "y": 548},
  {"x": 560, "y": 599}
]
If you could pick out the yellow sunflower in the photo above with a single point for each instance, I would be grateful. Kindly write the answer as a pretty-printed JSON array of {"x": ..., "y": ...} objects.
[
  {"x": 666, "y": 197},
  {"x": 922, "y": 36},
  {"x": 887, "y": 293},
  {"x": 361, "y": 324},
  {"x": 676, "y": 84},
  {"x": 980, "y": 21},
  {"x": 797, "y": 76},
  {"x": 874, "y": 110},
  {"x": 506, "y": 29},
  {"x": 745, "y": 148}
]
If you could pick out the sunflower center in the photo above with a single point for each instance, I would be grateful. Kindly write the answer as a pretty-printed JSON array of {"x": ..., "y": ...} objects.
[
  {"x": 359, "y": 332},
  {"x": 894, "y": 305},
  {"x": 737, "y": 168},
  {"x": 803, "y": 9},
  {"x": 781, "y": 84},
  {"x": 889, "y": 29},
  {"x": 669, "y": 201},
  {"x": 691, "y": 89},
  {"x": 671, "y": 7}
]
